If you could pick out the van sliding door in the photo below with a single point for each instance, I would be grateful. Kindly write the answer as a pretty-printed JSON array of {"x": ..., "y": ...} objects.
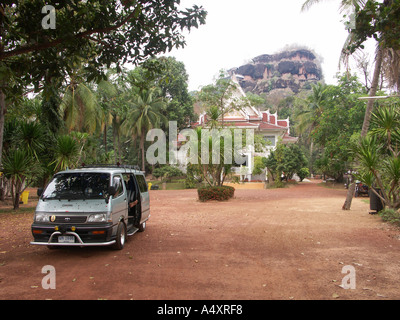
[{"x": 144, "y": 194}]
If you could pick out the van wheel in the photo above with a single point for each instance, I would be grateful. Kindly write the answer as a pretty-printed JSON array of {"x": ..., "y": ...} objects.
[
  {"x": 142, "y": 227},
  {"x": 121, "y": 236}
]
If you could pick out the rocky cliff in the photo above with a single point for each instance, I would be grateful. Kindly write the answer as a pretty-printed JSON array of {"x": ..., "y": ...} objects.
[{"x": 283, "y": 74}]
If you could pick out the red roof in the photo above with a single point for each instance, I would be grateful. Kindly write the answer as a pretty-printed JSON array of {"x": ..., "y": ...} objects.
[
  {"x": 242, "y": 124},
  {"x": 289, "y": 139},
  {"x": 264, "y": 126},
  {"x": 272, "y": 119}
]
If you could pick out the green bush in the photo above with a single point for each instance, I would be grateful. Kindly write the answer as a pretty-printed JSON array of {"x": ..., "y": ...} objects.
[
  {"x": 391, "y": 216},
  {"x": 166, "y": 172},
  {"x": 190, "y": 182},
  {"x": 221, "y": 193},
  {"x": 303, "y": 173}
]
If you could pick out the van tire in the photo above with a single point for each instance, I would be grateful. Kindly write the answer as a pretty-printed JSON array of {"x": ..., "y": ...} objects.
[
  {"x": 121, "y": 236},
  {"x": 142, "y": 227}
]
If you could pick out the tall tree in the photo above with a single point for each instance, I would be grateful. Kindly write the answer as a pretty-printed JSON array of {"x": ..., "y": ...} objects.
[
  {"x": 308, "y": 117},
  {"x": 170, "y": 76},
  {"x": 80, "y": 108},
  {"x": 220, "y": 98},
  {"x": 106, "y": 96},
  {"x": 145, "y": 113}
]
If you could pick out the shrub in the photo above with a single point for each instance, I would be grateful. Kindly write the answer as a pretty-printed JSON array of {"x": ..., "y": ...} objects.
[
  {"x": 235, "y": 179},
  {"x": 303, "y": 173},
  {"x": 166, "y": 172},
  {"x": 190, "y": 182},
  {"x": 278, "y": 183},
  {"x": 391, "y": 216},
  {"x": 221, "y": 193}
]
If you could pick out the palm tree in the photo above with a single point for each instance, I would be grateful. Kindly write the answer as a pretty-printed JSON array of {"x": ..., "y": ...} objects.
[
  {"x": 18, "y": 167},
  {"x": 308, "y": 117},
  {"x": 145, "y": 113},
  {"x": 213, "y": 116},
  {"x": 117, "y": 121},
  {"x": 379, "y": 156},
  {"x": 79, "y": 106},
  {"x": 345, "y": 4},
  {"x": 66, "y": 152},
  {"x": 30, "y": 137},
  {"x": 106, "y": 95}
]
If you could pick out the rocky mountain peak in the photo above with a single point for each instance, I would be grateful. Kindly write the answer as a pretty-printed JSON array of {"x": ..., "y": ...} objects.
[{"x": 285, "y": 73}]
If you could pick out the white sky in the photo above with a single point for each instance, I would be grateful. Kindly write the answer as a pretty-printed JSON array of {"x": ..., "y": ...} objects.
[{"x": 238, "y": 30}]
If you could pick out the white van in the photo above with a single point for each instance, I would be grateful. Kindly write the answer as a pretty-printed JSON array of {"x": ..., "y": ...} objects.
[{"x": 92, "y": 206}]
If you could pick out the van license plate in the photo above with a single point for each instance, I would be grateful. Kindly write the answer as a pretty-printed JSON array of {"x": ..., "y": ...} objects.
[{"x": 66, "y": 239}]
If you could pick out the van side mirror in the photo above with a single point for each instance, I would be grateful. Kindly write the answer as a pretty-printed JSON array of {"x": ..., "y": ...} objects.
[
  {"x": 112, "y": 190},
  {"x": 39, "y": 192}
]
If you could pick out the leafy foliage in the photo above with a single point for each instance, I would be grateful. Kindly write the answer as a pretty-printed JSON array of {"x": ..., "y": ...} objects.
[
  {"x": 219, "y": 193},
  {"x": 333, "y": 127},
  {"x": 65, "y": 153},
  {"x": 289, "y": 160},
  {"x": 19, "y": 168},
  {"x": 166, "y": 172},
  {"x": 105, "y": 32},
  {"x": 380, "y": 21},
  {"x": 379, "y": 155},
  {"x": 391, "y": 216}
]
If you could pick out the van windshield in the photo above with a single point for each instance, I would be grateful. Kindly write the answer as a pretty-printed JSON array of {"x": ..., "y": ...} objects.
[{"x": 78, "y": 186}]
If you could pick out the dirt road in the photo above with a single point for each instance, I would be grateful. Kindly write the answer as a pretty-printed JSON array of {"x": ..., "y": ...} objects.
[{"x": 288, "y": 243}]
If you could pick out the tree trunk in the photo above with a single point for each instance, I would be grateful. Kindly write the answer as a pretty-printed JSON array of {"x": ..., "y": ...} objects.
[
  {"x": 367, "y": 118},
  {"x": 142, "y": 150},
  {"x": 3, "y": 110},
  {"x": 105, "y": 138},
  {"x": 311, "y": 157},
  {"x": 2, "y": 114}
]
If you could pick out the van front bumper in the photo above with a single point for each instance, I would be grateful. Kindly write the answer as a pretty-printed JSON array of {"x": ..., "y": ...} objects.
[{"x": 79, "y": 236}]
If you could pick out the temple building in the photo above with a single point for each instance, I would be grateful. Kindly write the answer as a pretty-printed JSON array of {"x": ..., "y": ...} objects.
[{"x": 264, "y": 123}]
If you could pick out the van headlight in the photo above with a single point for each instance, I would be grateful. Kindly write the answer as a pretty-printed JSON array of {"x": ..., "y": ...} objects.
[
  {"x": 98, "y": 217},
  {"x": 41, "y": 217}
]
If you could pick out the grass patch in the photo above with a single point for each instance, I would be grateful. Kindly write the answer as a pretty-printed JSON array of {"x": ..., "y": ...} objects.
[
  {"x": 20, "y": 210},
  {"x": 172, "y": 185}
]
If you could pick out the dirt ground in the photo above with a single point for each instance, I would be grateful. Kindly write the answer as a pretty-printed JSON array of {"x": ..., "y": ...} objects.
[{"x": 265, "y": 244}]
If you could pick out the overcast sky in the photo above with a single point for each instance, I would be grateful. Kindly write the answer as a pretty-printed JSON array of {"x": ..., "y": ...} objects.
[{"x": 238, "y": 30}]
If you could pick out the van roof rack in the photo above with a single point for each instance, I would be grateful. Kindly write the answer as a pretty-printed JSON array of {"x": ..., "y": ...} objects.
[{"x": 118, "y": 165}]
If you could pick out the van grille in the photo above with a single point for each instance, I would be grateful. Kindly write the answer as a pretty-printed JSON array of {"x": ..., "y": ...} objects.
[{"x": 70, "y": 219}]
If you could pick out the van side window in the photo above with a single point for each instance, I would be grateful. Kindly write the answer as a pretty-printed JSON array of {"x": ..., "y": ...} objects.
[
  {"x": 130, "y": 186},
  {"x": 142, "y": 183},
  {"x": 117, "y": 183}
]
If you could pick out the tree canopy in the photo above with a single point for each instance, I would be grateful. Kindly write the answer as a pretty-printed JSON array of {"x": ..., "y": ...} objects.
[{"x": 103, "y": 32}]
